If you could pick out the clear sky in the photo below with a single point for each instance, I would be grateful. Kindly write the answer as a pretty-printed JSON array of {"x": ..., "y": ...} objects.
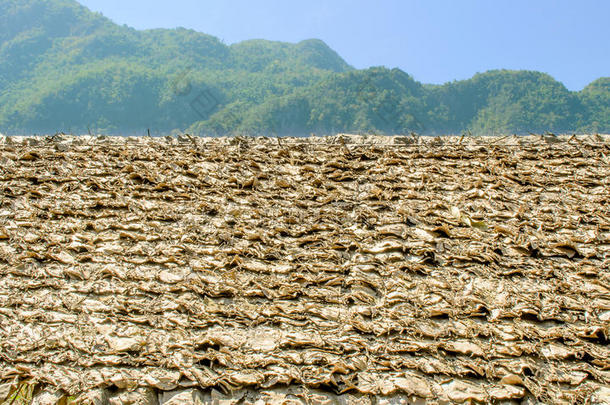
[{"x": 434, "y": 40}]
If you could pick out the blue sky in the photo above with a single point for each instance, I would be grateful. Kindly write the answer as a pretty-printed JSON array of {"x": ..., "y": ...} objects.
[{"x": 434, "y": 40}]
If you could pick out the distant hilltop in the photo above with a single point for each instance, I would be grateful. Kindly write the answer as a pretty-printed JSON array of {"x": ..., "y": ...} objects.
[{"x": 65, "y": 68}]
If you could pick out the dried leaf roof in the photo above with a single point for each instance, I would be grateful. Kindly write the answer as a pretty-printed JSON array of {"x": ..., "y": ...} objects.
[{"x": 173, "y": 270}]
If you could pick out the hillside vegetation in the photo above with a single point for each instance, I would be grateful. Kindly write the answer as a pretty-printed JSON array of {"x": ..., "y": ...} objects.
[{"x": 65, "y": 68}]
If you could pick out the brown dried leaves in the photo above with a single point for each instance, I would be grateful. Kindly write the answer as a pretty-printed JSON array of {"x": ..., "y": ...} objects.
[{"x": 458, "y": 270}]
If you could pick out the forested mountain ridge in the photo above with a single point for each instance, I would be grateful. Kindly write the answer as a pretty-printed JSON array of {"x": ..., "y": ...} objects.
[{"x": 65, "y": 68}]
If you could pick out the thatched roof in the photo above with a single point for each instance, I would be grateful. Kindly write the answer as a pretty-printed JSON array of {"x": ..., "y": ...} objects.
[{"x": 351, "y": 268}]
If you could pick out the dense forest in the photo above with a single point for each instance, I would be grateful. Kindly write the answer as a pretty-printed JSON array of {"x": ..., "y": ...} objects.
[{"x": 65, "y": 68}]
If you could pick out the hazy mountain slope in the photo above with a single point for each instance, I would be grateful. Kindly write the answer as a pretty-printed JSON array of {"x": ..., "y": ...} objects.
[
  {"x": 71, "y": 69},
  {"x": 596, "y": 100},
  {"x": 504, "y": 101},
  {"x": 258, "y": 55},
  {"x": 65, "y": 68}
]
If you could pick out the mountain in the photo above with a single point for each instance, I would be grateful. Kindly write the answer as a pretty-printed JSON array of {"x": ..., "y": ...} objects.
[
  {"x": 65, "y": 68},
  {"x": 596, "y": 99},
  {"x": 504, "y": 101}
]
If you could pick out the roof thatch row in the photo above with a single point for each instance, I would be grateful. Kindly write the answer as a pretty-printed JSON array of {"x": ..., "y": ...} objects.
[{"x": 350, "y": 269}]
